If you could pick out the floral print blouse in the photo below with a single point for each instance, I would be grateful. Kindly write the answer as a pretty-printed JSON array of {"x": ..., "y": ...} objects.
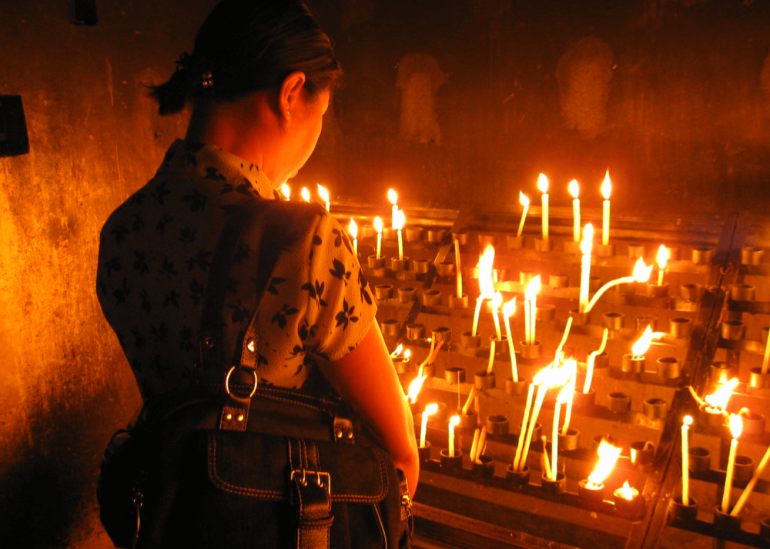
[{"x": 155, "y": 255}]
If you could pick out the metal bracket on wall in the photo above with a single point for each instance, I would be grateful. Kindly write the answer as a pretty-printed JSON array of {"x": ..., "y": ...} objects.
[
  {"x": 13, "y": 126},
  {"x": 82, "y": 12}
]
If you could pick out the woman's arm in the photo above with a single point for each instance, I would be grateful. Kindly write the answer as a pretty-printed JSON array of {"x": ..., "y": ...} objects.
[{"x": 366, "y": 378}]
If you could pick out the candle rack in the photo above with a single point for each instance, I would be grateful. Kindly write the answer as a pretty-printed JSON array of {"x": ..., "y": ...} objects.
[{"x": 637, "y": 404}]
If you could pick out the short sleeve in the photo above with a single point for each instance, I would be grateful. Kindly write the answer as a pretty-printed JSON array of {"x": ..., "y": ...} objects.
[{"x": 340, "y": 304}]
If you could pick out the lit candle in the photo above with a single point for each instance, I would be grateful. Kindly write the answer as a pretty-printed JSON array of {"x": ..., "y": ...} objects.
[
  {"x": 641, "y": 274},
  {"x": 286, "y": 191},
  {"x": 459, "y": 269},
  {"x": 592, "y": 361},
  {"x": 305, "y": 194},
  {"x": 508, "y": 310},
  {"x": 378, "y": 227},
  {"x": 686, "y": 460},
  {"x": 454, "y": 421},
  {"x": 608, "y": 455},
  {"x": 546, "y": 382},
  {"x": 530, "y": 306},
  {"x": 574, "y": 190},
  {"x": 752, "y": 483},
  {"x": 736, "y": 426},
  {"x": 626, "y": 492},
  {"x": 766, "y": 358},
  {"x": 662, "y": 259},
  {"x": 524, "y": 426},
  {"x": 397, "y": 351},
  {"x": 495, "y": 304},
  {"x": 430, "y": 409},
  {"x": 491, "y": 362},
  {"x": 716, "y": 403},
  {"x": 545, "y": 462},
  {"x": 398, "y": 224},
  {"x": 641, "y": 346},
  {"x": 542, "y": 186},
  {"x": 524, "y": 201},
  {"x": 570, "y": 392},
  {"x": 561, "y": 399},
  {"x": 393, "y": 199},
  {"x": 606, "y": 190},
  {"x": 585, "y": 266},
  {"x": 324, "y": 194},
  {"x": 353, "y": 229},
  {"x": 486, "y": 284}
]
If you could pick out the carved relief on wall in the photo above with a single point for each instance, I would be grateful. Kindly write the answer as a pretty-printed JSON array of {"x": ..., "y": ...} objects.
[
  {"x": 584, "y": 73},
  {"x": 419, "y": 79}
]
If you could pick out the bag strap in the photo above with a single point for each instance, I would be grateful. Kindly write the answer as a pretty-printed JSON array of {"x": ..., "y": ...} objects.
[{"x": 311, "y": 496}]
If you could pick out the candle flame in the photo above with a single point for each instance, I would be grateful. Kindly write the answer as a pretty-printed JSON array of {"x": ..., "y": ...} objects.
[
  {"x": 286, "y": 191},
  {"x": 510, "y": 307},
  {"x": 720, "y": 397},
  {"x": 353, "y": 228},
  {"x": 397, "y": 351},
  {"x": 662, "y": 256},
  {"x": 532, "y": 289},
  {"x": 736, "y": 425},
  {"x": 643, "y": 344},
  {"x": 543, "y": 377},
  {"x": 542, "y": 183},
  {"x": 431, "y": 409},
  {"x": 606, "y": 186},
  {"x": 574, "y": 188},
  {"x": 407, "y": 354},
  {"x": 587, "y": 243},
  {"x": 323, "y": 193},
  {"x": 486, "y": 282},
  {"x": 414, "y": 388},
  {"x": 454, "y": 421},
  {"x": 688, "y": 420},
  {"x": 564, "y": 374},
  {"x": 392, "y": 196},
  {"x": 378, "y": 226},
  {"x": 608, "y": 455},
  {"x": 523, "y": 200},
  {"x": 399, "y": 220},
  {"x": 626, "y": 492},
  {"x": 641, "y": 271},
  {"x": 305, "y": 194},
  {"x": 565, "y": 395}
]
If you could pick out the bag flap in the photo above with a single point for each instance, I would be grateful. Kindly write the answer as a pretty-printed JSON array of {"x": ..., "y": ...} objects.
[{"x": 257, "y": 465}]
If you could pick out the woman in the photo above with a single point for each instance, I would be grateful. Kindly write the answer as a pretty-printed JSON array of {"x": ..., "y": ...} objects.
[{"x": 259, "y": 79}]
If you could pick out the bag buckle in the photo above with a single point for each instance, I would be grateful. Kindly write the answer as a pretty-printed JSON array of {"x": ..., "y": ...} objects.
[
  {"x": 322, "y": 478},
  {"x": 254, "y": 383}
]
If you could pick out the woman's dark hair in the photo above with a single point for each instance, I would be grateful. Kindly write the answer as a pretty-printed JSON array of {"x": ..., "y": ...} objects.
[{"x": 245, "y": 46}]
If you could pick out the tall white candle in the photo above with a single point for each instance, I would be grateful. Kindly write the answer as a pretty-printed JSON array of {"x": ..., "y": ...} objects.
[
  {"x": 686, "y": 460},
  {"x": 454, "y": 421},
  {"x": 495, "y": 304},
  {"x": 524, "y": 425},
  {"x": 606, "y": 190},
  {"x": 555, "y": 440},
  {"x": 491, "y": 362},
  {"x": 736, "y": 426},
  {"x": 662, "y": 260},
  {"x": 542, "y": 185},
  {"x": 530, "y": 308},
  {"x": 378, "y": 227},
  {"x": 586, "y": 247},
  {"x": 508, "y": 310},
  {"x": 641, "y": 274},
  {"x": 430, "y": 409},
  {"x": 592, "y": 362},
  {"x": 752, "y": 483},
  {"x": 400, "y": 221},
  {"x": 393, "y": 199},
  {"x": 353, "y": 230},
  {"x": 541, "y": 391},
  {"x": 524, "y": 201},
  {"x": 459, "y": 269},
  {"x": 476, "y": 314},
  {"x": 574, "y": 190},
  {"x": 766, "y": 358}
]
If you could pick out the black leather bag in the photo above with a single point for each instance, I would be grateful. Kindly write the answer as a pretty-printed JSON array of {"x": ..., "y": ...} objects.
[{"x": 234, "y": 464}]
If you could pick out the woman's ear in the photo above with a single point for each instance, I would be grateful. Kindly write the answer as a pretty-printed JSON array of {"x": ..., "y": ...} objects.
[{"x": 290, "y": 94}]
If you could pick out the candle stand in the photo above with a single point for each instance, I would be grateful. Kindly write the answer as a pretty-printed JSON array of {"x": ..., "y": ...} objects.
[{"x": 708, "y": 318}]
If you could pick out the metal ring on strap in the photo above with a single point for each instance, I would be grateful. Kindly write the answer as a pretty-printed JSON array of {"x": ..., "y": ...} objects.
[{"x": 253, "y": 374}]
